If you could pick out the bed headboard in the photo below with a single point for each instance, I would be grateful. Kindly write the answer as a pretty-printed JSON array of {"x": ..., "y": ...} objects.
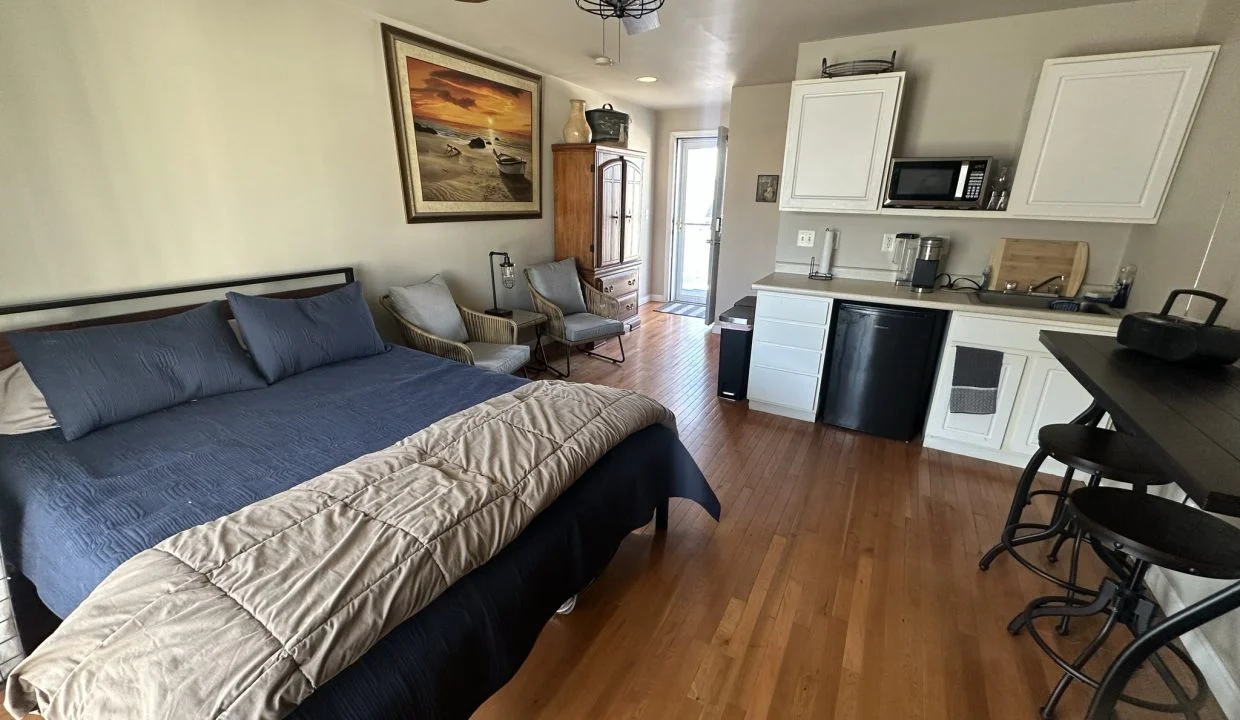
[{"x": 300, "y": 284}]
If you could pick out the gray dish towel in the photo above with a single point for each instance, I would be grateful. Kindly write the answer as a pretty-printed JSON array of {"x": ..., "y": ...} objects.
[{"x": 975, "y": 381}]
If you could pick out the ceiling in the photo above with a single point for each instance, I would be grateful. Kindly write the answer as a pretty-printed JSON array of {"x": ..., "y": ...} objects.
[{"x": 703, "y": 48}]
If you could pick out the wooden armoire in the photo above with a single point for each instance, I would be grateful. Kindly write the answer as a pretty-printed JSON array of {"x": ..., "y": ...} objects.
[{"x": 598, "y": 211}]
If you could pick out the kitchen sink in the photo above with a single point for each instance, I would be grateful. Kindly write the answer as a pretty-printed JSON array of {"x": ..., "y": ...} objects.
[{"x": 1035, "y": 302}]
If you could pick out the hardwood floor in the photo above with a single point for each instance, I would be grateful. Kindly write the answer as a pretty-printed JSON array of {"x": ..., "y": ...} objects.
[{"x": 841, "y": 583}]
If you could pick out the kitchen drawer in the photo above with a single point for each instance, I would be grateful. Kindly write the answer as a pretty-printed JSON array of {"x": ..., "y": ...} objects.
[
  {"x": 777, "y": 306},
  {"x": 790, "y": 334},
  {"x": 1013, "y": 333},
  {"x": 628, "y": 306},
  {"x": 779, "y": 357},
  {"x": 621, "y": 283},
  {"x": 780, "y": 387}
]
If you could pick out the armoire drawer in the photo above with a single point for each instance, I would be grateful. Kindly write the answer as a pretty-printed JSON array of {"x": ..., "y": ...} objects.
[
  {"x": 628, "y": 306},
  {"x": 621, "y": 283}
]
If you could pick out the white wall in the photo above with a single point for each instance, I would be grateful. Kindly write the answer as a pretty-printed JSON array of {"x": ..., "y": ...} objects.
[
  {"x": 152, "y": 144},
  {"x": 757, "y": 122},
  {"x": 970, "y": 86},
  {"x": 705, "y": 119},
  {"x": 972, "y": 240},
  {"x": 1196, "y": 242}
]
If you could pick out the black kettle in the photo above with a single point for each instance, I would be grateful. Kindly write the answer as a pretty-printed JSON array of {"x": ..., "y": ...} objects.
[{"x": 1178, "y": 339}]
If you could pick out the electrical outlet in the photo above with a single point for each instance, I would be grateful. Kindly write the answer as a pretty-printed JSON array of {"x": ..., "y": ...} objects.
[
  {"x": 889, "y": 242},
  {"x": 805, "y": 238}
]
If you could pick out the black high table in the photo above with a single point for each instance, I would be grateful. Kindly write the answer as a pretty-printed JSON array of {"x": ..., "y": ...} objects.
[{"x": 1189, "y": 419}]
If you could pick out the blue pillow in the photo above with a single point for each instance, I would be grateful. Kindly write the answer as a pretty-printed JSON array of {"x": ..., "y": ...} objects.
[
  {"x": 97, "y": 376},
  {"x": 286, "y": 337}
]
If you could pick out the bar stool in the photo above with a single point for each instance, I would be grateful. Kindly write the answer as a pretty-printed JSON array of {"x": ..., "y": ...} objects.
[
  {"x": 1097, "y": 452},
  {"x": 1151, "y": 531}
]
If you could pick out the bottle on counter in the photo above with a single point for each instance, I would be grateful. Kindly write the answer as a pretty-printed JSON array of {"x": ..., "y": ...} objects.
[{"x": 1123, "y": 286}]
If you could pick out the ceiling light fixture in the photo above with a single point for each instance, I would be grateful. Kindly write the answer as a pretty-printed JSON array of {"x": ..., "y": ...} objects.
[
  {"x": 647, "y": 79},
  {"x": 620, "y": 8},
  {"x": 635, "y": 16}
]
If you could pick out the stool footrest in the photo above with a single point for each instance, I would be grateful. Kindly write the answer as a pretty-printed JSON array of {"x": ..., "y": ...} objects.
[{"x": 1122, "y": 605}]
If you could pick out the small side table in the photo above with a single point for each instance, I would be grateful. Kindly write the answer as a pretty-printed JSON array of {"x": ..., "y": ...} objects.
[
  {"x": 531, "y": 324},
  {"x": 528, "y": 319}
]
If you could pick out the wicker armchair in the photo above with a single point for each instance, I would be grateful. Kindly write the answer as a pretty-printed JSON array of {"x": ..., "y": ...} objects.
[
  {"x": 482, "y": 328},
  {"x": 598, "y": 304}
]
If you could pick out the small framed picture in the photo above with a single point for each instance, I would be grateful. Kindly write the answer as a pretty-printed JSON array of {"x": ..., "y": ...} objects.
[{"x": 768, "y": 188}]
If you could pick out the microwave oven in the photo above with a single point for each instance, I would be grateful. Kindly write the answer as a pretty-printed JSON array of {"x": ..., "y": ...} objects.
[{"x": 957, "y": 183}]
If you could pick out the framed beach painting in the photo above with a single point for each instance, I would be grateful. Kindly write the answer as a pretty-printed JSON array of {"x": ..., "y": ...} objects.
[{"x": 468, "y": 132}]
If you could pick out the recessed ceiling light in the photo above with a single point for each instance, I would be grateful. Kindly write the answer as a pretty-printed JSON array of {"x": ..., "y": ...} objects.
[{"x": 647, "y": 79}]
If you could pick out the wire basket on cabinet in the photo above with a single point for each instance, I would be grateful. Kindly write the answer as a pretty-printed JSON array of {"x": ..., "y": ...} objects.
[{"x": 858, "y": 67}]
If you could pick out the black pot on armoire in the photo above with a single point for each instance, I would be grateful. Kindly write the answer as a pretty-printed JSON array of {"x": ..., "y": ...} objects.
[{"x": 880, "y": 368}]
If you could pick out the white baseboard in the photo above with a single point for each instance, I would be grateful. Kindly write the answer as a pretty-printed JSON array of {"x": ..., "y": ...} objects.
[
  {"x": 781, "y": 410},
  {"x": 1003, "y": 457},
  {"x": 1222, "y": 681},
  {"x": 651, "y": 298},
  {"x": 840, "y": 271}
]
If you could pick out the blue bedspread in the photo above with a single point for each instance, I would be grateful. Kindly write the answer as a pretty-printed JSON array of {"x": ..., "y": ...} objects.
[{"x": 72, "y": 512}]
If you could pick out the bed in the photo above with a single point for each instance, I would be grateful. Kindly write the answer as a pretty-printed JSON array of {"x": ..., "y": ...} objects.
[{"x": 70, "y": 512}]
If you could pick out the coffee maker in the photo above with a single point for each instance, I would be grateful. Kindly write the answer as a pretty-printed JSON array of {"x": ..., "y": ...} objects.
[{"x": 928, "y": 263}]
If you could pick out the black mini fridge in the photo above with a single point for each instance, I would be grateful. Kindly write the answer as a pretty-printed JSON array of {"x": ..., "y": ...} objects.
[{"x": 880, "y": 367}]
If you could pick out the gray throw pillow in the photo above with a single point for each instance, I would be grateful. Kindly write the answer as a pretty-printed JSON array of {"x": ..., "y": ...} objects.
[
  {"x": 430, "y": 306},
  {"x": 558, "y": 282}
]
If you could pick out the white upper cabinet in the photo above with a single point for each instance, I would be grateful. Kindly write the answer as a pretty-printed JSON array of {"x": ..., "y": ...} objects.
[
  {"x": 839, "y": 141},
  {"x": 1105, "y": 134}
]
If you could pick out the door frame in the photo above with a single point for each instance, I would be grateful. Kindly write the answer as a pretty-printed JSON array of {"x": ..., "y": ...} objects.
[{"x": 673, "y": 175}]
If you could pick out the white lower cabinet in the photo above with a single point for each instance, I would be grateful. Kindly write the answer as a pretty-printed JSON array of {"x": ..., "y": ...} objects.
[
  {"x": 1034, "y": 390},
  {"x": 986, "y": 431},
  {"x": 1053, "y": 396},
  {"x": 789, "y": 344}
]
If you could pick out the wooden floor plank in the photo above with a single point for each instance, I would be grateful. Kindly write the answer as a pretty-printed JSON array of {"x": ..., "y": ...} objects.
[{"x": 841, "y": 583}]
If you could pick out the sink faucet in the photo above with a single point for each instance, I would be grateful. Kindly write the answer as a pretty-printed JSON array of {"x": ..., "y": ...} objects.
[{"x": 1051, "y": 279}]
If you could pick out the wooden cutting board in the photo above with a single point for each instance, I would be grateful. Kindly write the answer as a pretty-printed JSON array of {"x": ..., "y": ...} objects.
[{"x": 1032, "y": 261}]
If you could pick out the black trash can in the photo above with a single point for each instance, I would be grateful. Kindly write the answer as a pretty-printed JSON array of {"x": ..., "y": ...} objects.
[{"x": 735, "y": 344}]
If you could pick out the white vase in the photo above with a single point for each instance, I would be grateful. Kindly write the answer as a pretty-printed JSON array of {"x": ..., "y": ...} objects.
[{"x": 577, "y": 130}]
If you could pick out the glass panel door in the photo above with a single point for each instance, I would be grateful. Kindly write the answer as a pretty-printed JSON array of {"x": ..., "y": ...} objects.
[{"x": 693, "y": 217}]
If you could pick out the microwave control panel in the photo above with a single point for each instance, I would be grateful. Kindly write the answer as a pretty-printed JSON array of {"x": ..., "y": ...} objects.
[{"x": 974, "y": 179}]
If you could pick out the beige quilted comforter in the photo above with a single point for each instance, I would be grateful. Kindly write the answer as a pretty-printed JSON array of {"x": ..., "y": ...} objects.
[{"x": 245, "y": 616}]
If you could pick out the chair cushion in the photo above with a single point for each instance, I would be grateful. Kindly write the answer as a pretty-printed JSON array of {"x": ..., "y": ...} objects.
[
  {"x": 289, "y": 336},
  {"x": 558, "y": 282},
  {"x": 93, "y": 377},
  {"x": 584, "y": 326},
  {"x": 505, "y": 359},
  {"x": 430, "y": 306}
]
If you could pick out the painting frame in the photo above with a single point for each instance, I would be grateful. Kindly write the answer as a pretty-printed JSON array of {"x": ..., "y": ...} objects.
[
  {"x": 767, "y": 189},
  {"x": 399, "y": 47}
]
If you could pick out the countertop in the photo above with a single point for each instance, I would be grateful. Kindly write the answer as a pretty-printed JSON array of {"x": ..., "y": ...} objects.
[{"x": 885, "y": 292}]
